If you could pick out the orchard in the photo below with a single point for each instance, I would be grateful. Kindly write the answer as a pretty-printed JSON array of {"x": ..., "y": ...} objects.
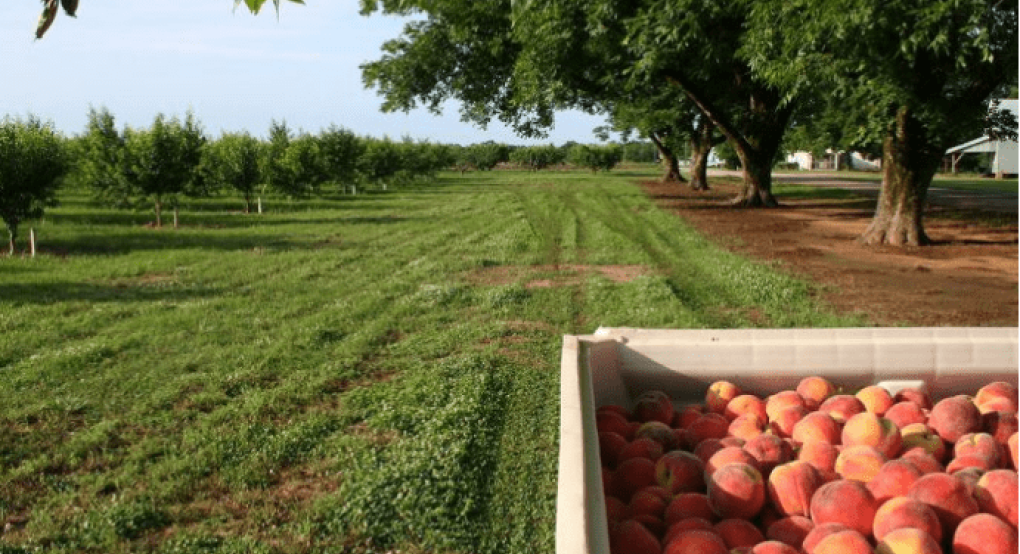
[{"x": 814, "y": 470}]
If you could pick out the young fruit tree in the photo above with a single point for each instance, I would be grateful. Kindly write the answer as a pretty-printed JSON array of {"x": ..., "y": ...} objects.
[
  {"x": 232, "y": 161},
  {"x": 32, "y": 162}
]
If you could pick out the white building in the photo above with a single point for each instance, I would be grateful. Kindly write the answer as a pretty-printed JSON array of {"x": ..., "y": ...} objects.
[
  {"x": 1003, "y": 152},
  {"x": 834, "y": 160}
]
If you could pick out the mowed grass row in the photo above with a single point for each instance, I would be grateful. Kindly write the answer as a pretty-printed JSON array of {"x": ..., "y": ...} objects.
[{"x": 353, "y": 374}]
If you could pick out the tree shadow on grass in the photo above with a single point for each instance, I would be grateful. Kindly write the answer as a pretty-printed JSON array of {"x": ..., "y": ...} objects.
[{"x": 17, "y": 294}]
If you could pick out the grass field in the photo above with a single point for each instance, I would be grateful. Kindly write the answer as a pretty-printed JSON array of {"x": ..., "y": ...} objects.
[
  {"x": 941, "y": 180},
  {"x": 348, "y": 374}
]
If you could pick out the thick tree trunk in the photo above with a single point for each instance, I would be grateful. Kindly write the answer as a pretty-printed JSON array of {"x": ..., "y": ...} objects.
[
  {"x": 669, "y": 160},
  {"x": 757, "y": 173},
  {"x": 699, "y": 164},
  {"x": 909, "y": 163}
]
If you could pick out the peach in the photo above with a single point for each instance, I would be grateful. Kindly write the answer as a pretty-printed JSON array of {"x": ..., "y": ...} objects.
[
  {"x": 648, "y": 501},
  {"x": 658, "y": 432},
  {"x": 706, "y": 448},
  {"x": 908, "y": 541},
  {"x": 654, "y": 405},
  {"x": 728, "y": 455},
  {"x": 652, "y": 523},
  {"x": 969, "y": 462},
  {"x": 616, "y": 509},
  {"x": 902, "y": 511},
  {"x": 919, "y": 435},
  {"x": 773, "y": 547},
  {"x": 746, "y": 404},
  {"x": 641, "y": 448},
  {"x": 846, "y": 502},
  {"x": 611, "y": 422},
  {"x": 1013, "y": 454},
  {"x": 680, "y": 471},
  {"x": 970, "y": 477},
  {"x": 1000, "y": 425},
  {"x": 738, "y": 532},
  {"x": 984, "y": 534},
  {"x": 869, "y": 429},
  {"x": 914, "y": 395},
  {"x": 1000, "y": 395},
  {"x": 790, "y": 530},
  {"x": 610, "y": 446},
  {"x": 708, "y": 426},
  {"x": 820, "y": 454},
  {"x": 814, "y": 390},
  {"x": 996, "y": 494},
  {"x": 687, "y": 415},
  {"x": 981, "y": 445},
  {"x": 817, "y": 426},
  {"x": 923, "y": 461},
  {"x": 696, "y": 540},
  {"x": 948, "y": 496},
  {"x": 843, "y": 542},
  {"x": 952, "y": 418},
  {"x": 746, "y": 427},
  {"x": 686, "y": 525},
  {"x": 689, "y": 505},
  {"x": 614, "y": 408},
  {"x": 782, "y": 400},
  {"x": 905, "y": 413},
  {"x": 893, "y": 479},
  {"x": 791, "y": 486},
  {"x": 719, "y": 395},
  {"x": 770, "y": 451},
  {"x": 842, "y": 407},
  {"x": 819, "y": 532},
  {"x": 732, "y": 441},
  {"x": 631, "y": 476},
  {"x": 631, "y": 537},
  {"x": 736, "y": 491},
  {"x": 785, "y": 419},
  {"x": 876, "y": 399},
  {"x": 860, "y": 463}
]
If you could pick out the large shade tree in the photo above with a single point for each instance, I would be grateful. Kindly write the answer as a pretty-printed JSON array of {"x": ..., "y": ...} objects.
[{"x": 918, "y": 74}]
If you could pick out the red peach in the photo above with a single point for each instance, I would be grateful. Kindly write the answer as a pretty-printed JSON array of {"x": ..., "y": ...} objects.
[
  {"x": 708, "y": 426},
  {"x": 876, "y": 399},
  {"x": 706, "y": 448},
  {"x": 905, "y": 413},
  {"x": 652, "y": 523},
  {"x": 719, "y": 395},
  {"x": 984, "y": 534},
  {"x": 732, "y": 441},
  {"x": 817, "y": 426},
  {"x": 981, "y": 445},
  {"x": 610, "y": 446},
  {"x": 616, "y": 509},
  {"x": 738, "y": 532},
  {"x": 736, "y": 491},
  {"x": 908, "y": 541},
  {"x": 631, "y": 537},
  {"x": 996, "y": 494},
  {"x": 919, "y": 435},
  {"x": 819, "y": 532},
  {"x": 814, "y": 390},
  {"x": 611, "y": 422},
  {"x": 1012, "y": 443},
  {"x": 784, "y": 421},
  {"x": 696, "y": 540},
  {"x": 614, "y": 408},
  {"x": 819, "y": 454},
  {"x": 954, "y": 417},
  {"x": 847, "y": 502},
  {"x": 781, "y": 400},
  {"x": 860, "y": 463},
  {"x": 999, "y": 394},
  {"x": 647, "y": 502},
  {"x": 728, "y": 455},
  {"x": 948, "y": 496},
  {"x": 686, "y": 416},
  {"x": 842, "y": 407},
  {"x": 658, "y": 432},
  {"x": 970, "y": 477},
  {"x": 641, "y": 448},
  {"x": 843, "y": 542},
  {"x": 790, "y": 530},
  {"x": 969, "y": 462},
  {"x": 654, "y": 405},
  {"x": 869, "y": 429},
  {"x": 770, "y": 451},
  {"x": 680, "y": 471},
  {"x": 773, "y": 547},
  {"x": 746, "y": 404},
  {"x": 902, "y": 511},
  {"x": 1000, "y": 425},
  {"x": 893, "y": 479},
  {"x": 914, "y": 395},
  {"x": 689, "y": 505},
  {"x": 631, "y": 476},
  {"x": 923, "y": 461},
  {"x": 746, "y": 426},
  {"x": 791, "y": 486},
  {"x": 686, "y": 525}
]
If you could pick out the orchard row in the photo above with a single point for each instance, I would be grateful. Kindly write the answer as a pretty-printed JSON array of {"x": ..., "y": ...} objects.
[{"x": 812, "y": 471}]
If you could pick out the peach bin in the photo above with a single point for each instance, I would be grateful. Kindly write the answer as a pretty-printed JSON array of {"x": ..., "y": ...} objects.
[{"x": 615, "y": 365}]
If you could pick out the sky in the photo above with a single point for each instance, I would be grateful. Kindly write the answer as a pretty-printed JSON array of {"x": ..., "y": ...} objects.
[{"x": 236, "y": 71}]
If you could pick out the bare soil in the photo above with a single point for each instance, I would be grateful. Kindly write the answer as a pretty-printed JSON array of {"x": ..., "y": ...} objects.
[{"x": 968, "y": 277}]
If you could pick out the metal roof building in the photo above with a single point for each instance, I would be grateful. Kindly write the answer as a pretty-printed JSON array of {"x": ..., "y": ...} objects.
[{"x": 1004, "y": 160}]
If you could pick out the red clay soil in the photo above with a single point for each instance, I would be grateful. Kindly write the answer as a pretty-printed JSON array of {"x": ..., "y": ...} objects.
[{"x": 968, "y": 277}]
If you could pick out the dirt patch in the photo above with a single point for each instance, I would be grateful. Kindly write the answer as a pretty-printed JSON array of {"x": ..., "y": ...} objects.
[
  {"x": 967, "y": 278},
  {"x": 562, "y": 275}
]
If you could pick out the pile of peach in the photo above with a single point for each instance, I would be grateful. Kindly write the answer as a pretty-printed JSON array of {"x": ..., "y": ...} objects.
[{"x": 812, "y": 471}]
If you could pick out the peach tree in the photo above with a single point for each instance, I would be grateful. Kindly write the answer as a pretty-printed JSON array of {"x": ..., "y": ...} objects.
[{"x": 32, "y": 161}]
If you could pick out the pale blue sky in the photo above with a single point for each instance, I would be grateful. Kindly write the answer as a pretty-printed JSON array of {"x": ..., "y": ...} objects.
[{"x": 236, "y": 71}]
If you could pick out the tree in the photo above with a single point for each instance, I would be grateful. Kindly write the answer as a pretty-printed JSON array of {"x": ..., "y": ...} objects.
[
  {"x": 595, "y": 158},
  {"x": 537, "y": 158},
  {"x": 919, "y": 73},
  {"x": 162, "y": 161},
  {"x": 32, "y": 161},
  {"x": 101, "y": 157},
  {"x": 233, "y": 161},
  {"x": 339, "y": 150}
]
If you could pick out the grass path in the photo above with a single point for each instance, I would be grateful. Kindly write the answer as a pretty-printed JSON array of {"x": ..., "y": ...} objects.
[{"x": 341, "y": 374}]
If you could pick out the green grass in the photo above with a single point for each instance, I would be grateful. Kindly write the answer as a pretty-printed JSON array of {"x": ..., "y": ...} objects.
[
  {"x": 941, "y": 180},
  {"x": 350, "y": 374}
]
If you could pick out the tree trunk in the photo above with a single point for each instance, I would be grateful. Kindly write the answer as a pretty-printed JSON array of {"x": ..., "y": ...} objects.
[
  {"x": 12, "y": 232},
  {"x": 699, "y": 164},
  {"x": 247, "y": 203},
  {"x": 159, "y": 212},
  {"x": 909, "y": 162},
  {"x": 669, "y": 160},
  {"x": 757, "y": 173}
]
